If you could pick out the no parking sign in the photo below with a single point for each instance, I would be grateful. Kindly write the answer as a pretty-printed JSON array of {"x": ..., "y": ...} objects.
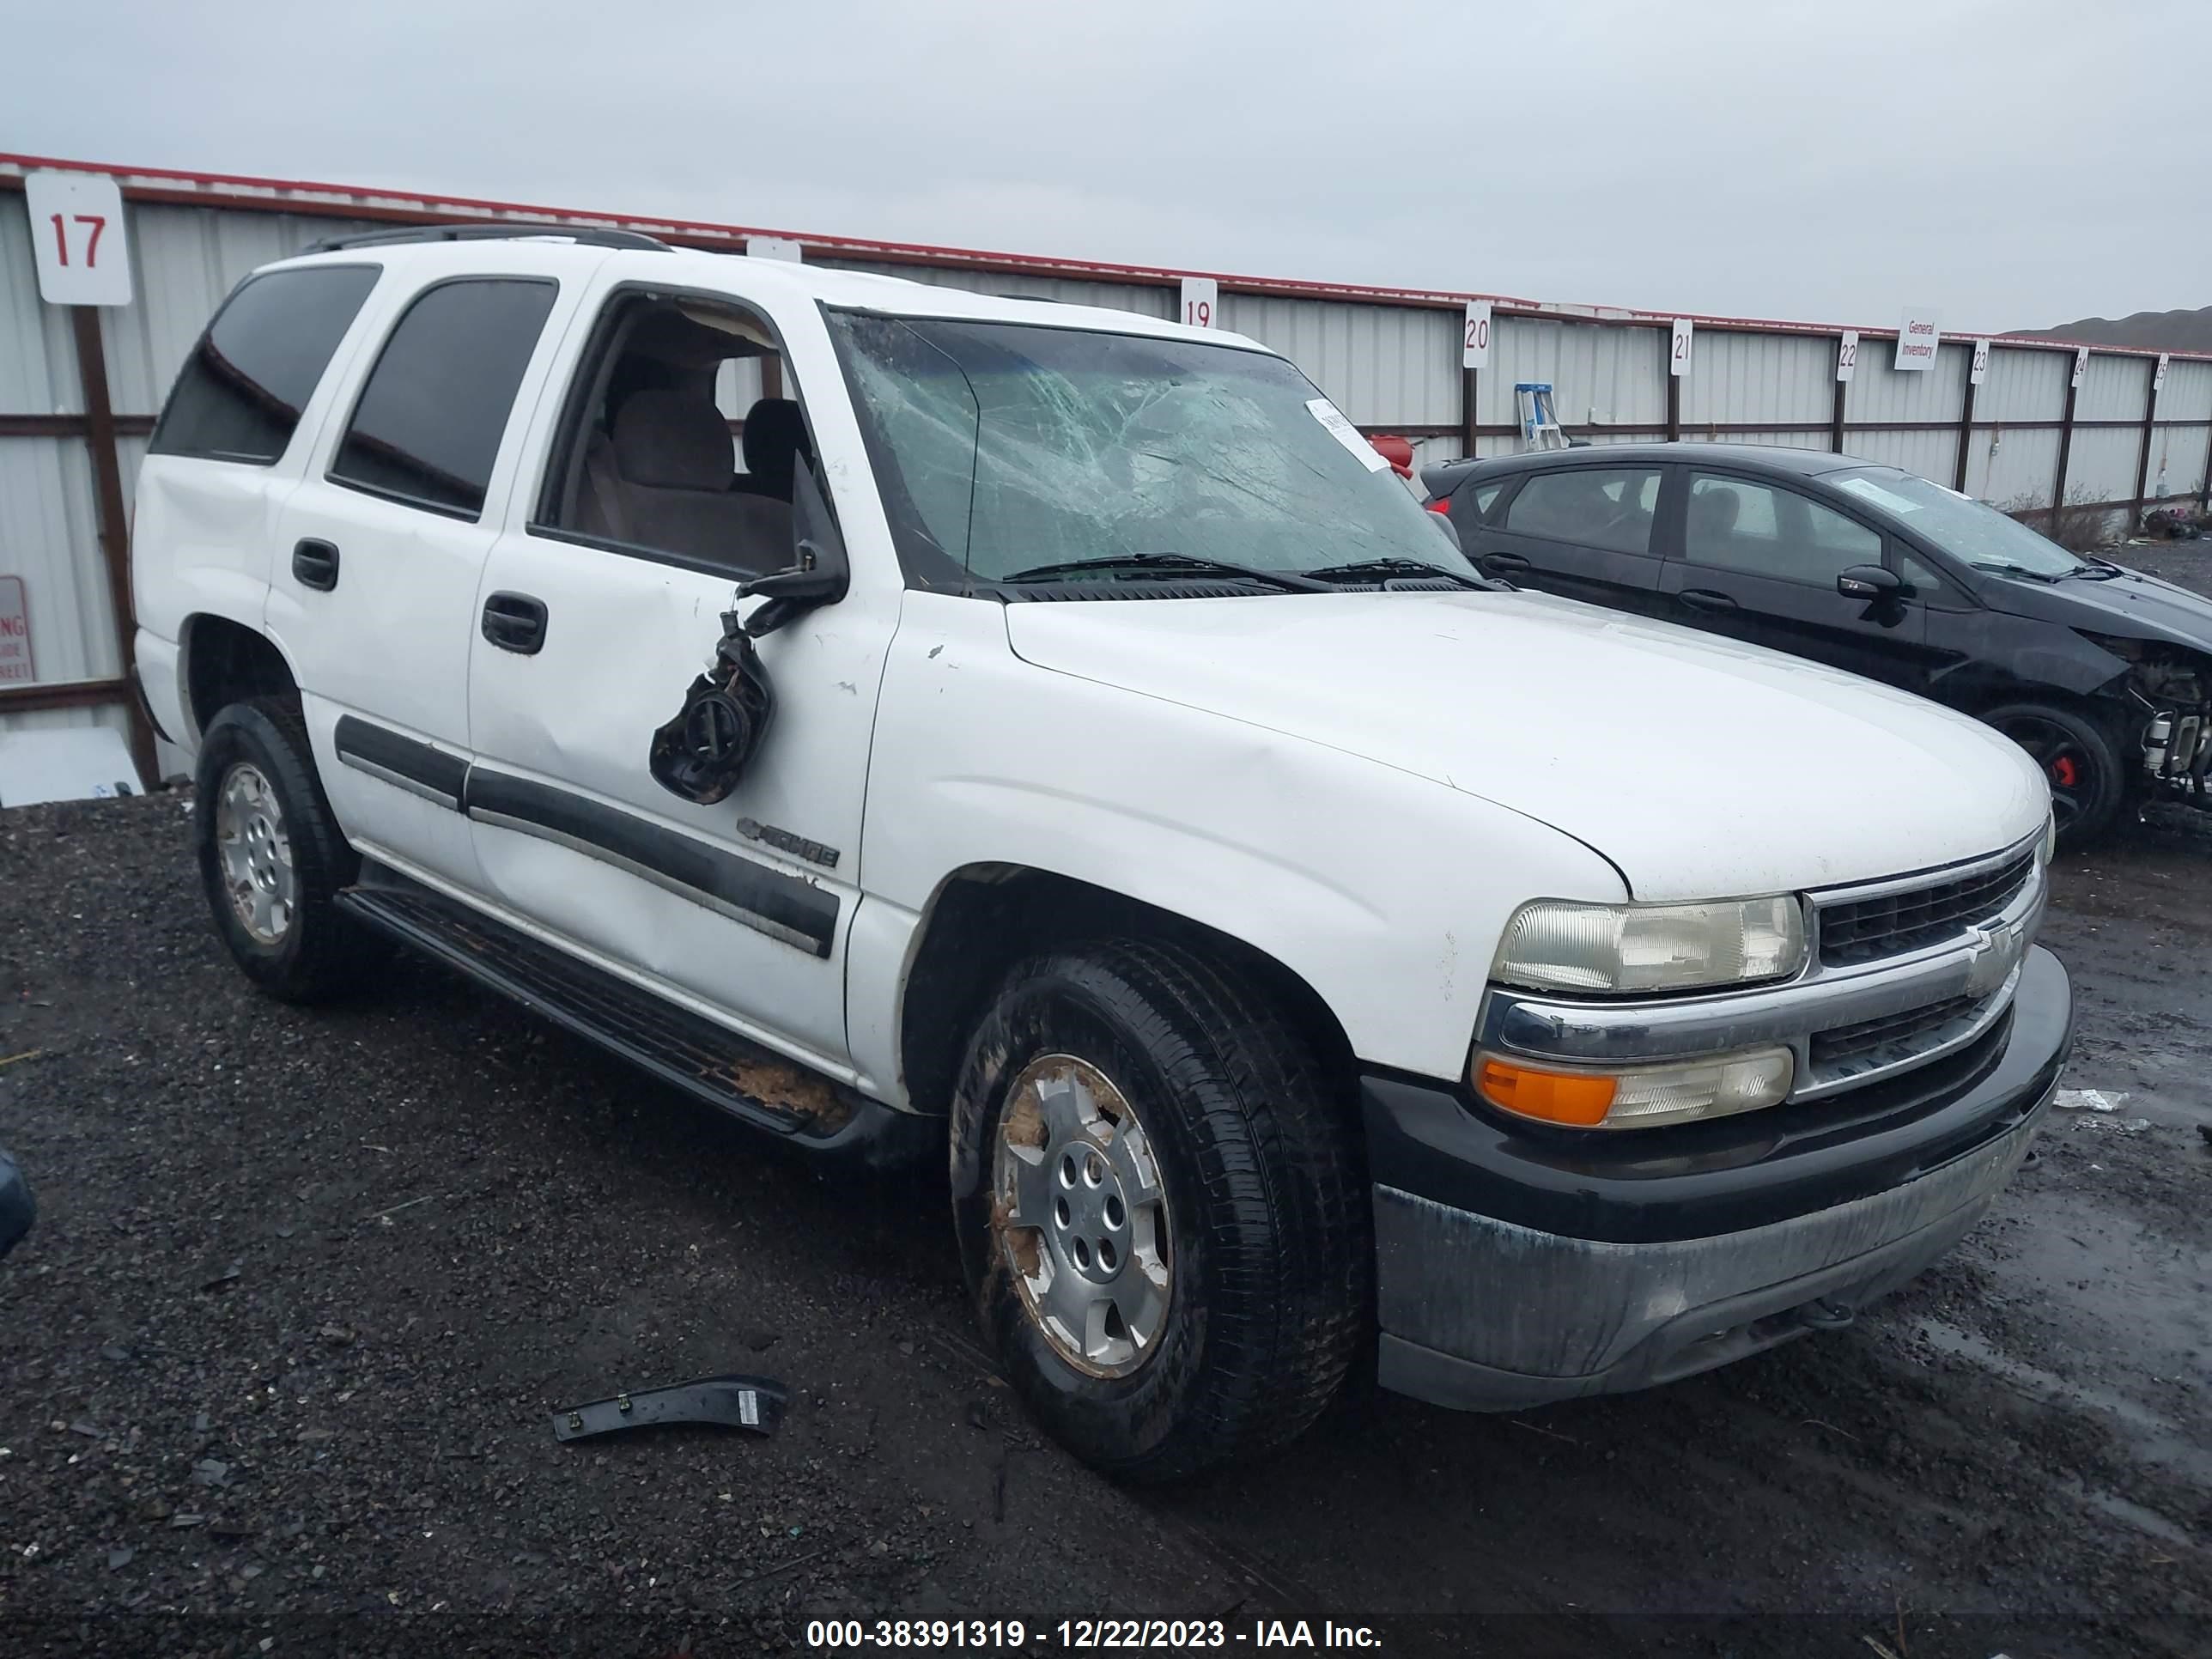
[{"x": 16, "y": 667}]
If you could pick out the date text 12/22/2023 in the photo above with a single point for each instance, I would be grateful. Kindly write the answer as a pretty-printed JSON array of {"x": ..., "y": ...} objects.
[{"x": 1087, "y": 1635}]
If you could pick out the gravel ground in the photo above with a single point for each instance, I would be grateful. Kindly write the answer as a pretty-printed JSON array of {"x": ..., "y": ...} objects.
[{"x": 276, "y": 1366}]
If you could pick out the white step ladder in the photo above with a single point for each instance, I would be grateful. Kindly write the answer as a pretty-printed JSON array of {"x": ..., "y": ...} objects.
[{"x": 1539, "y": 427}]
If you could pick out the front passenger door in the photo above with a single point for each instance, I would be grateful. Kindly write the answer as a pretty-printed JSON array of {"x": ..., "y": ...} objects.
[
  {"x": 1758, "y": 562},
  {"x": 1584, "y": 533}
]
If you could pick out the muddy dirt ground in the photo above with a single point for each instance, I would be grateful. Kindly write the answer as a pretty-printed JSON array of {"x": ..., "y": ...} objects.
[{"x": 276, "y": 1367}]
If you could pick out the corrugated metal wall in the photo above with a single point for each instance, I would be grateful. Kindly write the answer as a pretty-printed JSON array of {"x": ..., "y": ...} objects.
[
  {"x": 1390, "y": 364},
  {"x": 2113, "y": 389},
  {"x": 2012, "y": 469},
  {"x": 1382, "y": 365},
  {"x": 2023, "y": 385},
  {"x": 1759, "y": 378},
  {"x": 1600, "y": 374},
  {"x": 38, "y": 365}
]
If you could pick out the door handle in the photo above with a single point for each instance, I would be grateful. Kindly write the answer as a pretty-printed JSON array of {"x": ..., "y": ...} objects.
[
  {"x": 1503, "y": 561},
  {"x": 516, "y": 622},
  {"x": 315, "y": 564},
  {"x": 1704, "y": 598}
]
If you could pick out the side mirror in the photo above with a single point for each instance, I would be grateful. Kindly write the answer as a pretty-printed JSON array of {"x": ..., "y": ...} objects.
[
  {"x": 1869, "y": 581},
  {"x": 818, "y": 576}
]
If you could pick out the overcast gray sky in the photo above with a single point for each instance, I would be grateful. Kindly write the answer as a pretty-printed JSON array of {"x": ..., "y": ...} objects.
[{"x": 2012, "y": 162}]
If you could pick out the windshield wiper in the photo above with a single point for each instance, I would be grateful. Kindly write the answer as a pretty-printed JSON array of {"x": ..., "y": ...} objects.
[
  {"x": 2097, "y": 570},
  {"x": 1144, "y": 564},
  {"x": 1383, "y": 569},
  {"x": 2005, "y": 569}
]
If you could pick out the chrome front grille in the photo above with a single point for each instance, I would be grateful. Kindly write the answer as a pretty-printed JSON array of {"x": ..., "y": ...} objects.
[
  {"x": 1846, "y": 1052},
  {"x": 1892, "y": 924}
]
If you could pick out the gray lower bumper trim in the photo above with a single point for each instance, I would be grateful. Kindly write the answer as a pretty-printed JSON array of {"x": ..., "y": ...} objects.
[{"x": 1484, "y": 1315}]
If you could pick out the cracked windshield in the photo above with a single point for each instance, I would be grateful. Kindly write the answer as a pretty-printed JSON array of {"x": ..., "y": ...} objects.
[{"x": 1020, "y": 452}]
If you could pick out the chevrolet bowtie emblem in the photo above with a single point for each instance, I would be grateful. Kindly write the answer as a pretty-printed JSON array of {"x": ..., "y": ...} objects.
[{"x": 1997, "y": 953}]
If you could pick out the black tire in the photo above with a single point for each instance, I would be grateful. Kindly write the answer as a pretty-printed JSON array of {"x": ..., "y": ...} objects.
[
  {"x": 1270, "y": 1253},
  {"x": 319, "y": 952},
  {"x": 2079, "y": 762}
]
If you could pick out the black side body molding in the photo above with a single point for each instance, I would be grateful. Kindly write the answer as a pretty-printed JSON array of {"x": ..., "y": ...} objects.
[
  {"x": 754, "y": 1404},
  {"x": 413, "y": 766},
  {"x": 783, "y": 907}
]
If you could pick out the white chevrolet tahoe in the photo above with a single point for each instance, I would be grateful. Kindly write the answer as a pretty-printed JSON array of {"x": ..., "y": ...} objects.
[{"x": 1310, "y": 957}]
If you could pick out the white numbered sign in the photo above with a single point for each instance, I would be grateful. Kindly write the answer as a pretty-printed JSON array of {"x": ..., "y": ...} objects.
[
  {"x": 1201, "y": 301},
  {"x": 2080, "y": 365},
  {"x": 1847, "y": 355},
  {"x": 2158, "y": 374},
  {"x": 77, "y": 238},
  {"x": 775, "y": 247},
  {"x": 1979, "y": 371},
  {"x": 1678, "y": 351},
  {"x": 1475, "y": 353}
]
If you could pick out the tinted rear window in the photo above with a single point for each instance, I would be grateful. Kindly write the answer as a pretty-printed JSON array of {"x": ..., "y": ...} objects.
[
  {"x": 241, "y": 391},
  {"x": 427, "y": 428}
]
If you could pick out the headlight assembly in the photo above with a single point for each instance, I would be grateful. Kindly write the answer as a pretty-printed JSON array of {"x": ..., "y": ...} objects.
[{"x": 1555, "y": 945}]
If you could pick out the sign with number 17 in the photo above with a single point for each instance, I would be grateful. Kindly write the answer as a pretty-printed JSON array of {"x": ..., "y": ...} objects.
[{"x": 77, "y": 238}]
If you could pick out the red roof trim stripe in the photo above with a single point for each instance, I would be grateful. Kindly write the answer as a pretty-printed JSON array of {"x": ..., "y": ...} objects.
[{"x": 340, "y": 201}]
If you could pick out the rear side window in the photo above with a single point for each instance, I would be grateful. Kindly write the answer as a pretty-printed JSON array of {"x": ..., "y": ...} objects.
[
  {"x": 1611, "y": 507},
  {"x": 240, "y": 393},
  {"x": 426, "y": 426}
]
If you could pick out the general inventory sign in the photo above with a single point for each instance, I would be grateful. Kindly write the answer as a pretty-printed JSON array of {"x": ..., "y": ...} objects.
[
  {"x": 77, "y": 238},
  {"x": 1918, "y": 333},
  {"x": 16, "y": 667}
]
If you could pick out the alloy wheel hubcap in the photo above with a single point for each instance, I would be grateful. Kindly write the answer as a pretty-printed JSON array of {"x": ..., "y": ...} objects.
[
  {"x": 2069, "y": 770},
  {"x": 1081, "y": 1216},
  {"x": 256, "y": 853}
]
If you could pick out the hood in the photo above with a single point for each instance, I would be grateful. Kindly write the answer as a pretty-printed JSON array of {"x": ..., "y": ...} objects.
[
  {"x": 2130, "y": 607},
  {"x": 1702, "y": 769}
]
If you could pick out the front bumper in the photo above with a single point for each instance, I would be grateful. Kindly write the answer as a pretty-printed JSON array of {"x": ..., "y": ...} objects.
[{"x": 1517, "y": 1266}]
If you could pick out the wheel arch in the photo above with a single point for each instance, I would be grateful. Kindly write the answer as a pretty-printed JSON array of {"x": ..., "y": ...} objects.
[
  {"x": 985, "y": 917},
  {"x": 224, "y": 661}
]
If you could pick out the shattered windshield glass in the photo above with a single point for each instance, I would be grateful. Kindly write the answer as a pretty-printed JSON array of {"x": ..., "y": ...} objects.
[
  {"x": 1005, "y": 448},
  {"x": 1964, "y": 528}
]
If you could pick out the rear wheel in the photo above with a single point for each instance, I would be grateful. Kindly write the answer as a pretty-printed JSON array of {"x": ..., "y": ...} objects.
[
  {"x": 2080, "y": 762},
  {"x": 1160, "y": 1209},
  {"x": 271, "y": 857}
]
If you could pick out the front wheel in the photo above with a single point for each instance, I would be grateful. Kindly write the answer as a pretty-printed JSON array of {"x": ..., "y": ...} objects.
[
  {"x": 1161, "y": 1209},
  {"x": 2080, "y": 762}
]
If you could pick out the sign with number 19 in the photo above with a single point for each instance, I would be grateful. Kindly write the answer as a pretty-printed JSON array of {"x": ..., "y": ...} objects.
[
  {"x": 77, "y": 238},
  {"x": 1201, "y": 301}
]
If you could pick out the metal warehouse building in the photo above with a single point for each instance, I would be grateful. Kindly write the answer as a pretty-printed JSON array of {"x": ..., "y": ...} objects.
[{"x": 2019, "y": 423}]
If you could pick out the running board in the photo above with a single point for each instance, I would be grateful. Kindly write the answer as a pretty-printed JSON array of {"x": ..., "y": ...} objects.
[{"x": 800, "y": 1107}]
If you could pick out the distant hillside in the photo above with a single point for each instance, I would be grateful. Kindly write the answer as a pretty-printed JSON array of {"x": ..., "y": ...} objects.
[{"x": 2155, "y": 331}]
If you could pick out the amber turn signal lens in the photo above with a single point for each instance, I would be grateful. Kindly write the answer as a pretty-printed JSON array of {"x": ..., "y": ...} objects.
[{"x": 1554, "y": 1097}]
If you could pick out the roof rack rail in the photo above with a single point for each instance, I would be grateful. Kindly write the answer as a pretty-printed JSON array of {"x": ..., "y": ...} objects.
[{"x": 509, "y": 230}]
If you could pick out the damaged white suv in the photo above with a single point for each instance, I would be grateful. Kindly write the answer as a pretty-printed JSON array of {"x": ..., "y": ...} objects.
[{"x": 1307, "y": 954}]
